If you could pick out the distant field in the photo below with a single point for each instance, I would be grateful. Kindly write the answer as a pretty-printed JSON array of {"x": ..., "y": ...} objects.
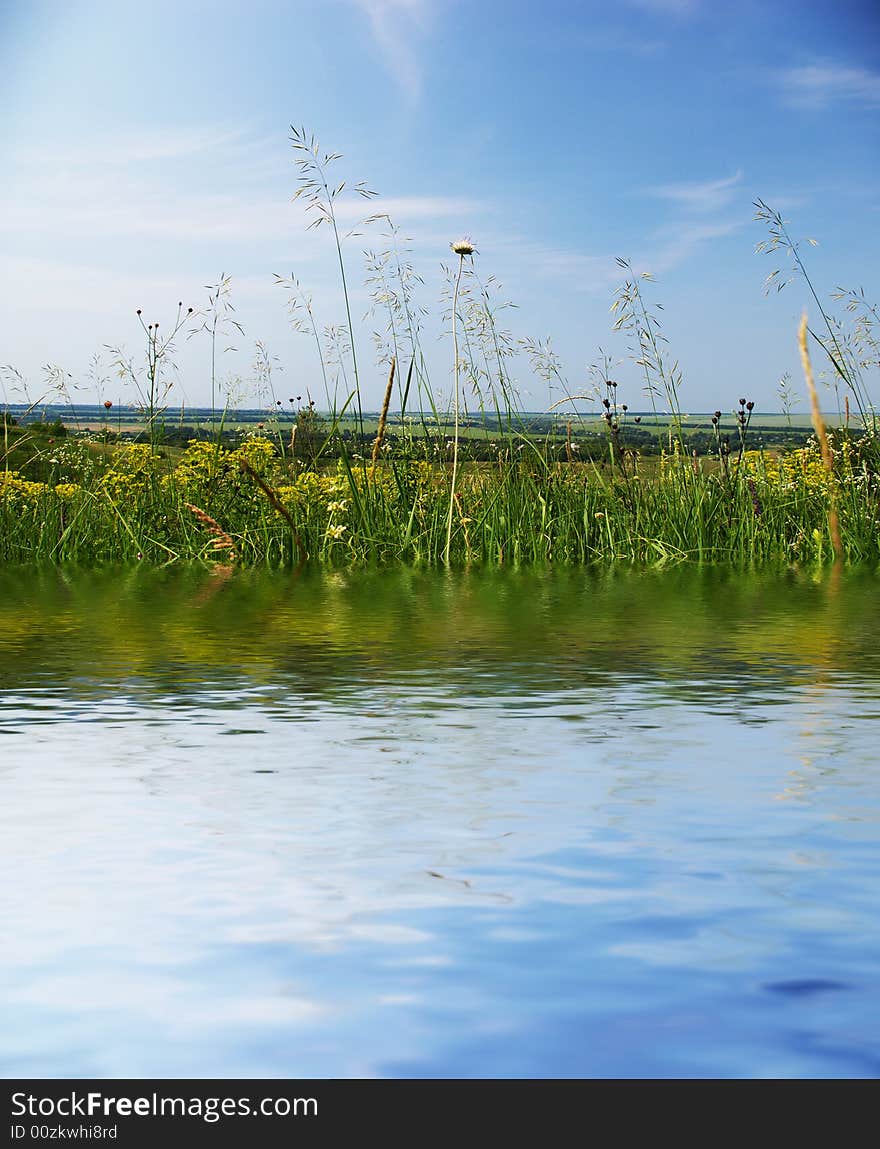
[{"x": 130, "y": 419}]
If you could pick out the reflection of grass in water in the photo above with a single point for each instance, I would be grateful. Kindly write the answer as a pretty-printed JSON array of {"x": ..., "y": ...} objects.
[{"x": 692, "y": 627}]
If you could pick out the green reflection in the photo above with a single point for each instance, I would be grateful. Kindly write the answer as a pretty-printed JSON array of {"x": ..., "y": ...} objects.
[{"x": 185, "y": 630}]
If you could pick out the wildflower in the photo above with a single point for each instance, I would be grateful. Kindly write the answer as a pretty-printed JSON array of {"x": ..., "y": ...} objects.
[
  {"x": 463, "y": 246},
  {"x": 336, "y": 532}
]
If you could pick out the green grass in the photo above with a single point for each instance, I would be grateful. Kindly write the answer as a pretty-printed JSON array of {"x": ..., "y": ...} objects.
[
  {"x": 474, "y": 480},
  {"x": 126, "y": 505}
]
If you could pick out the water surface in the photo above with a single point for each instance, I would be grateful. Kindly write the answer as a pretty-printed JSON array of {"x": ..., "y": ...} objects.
[{"x": 414, "y": 824}]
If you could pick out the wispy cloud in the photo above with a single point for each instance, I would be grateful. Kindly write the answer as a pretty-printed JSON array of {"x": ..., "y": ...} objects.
[
  {"x": 577, "y": 270},
  {"x": 824, "y": 83},
  {"x": 97, "y": 152},
  {"x": 166, "y": 188},
  {"x": 396, "y": 26},
  {"x": 703, "y": 211},
  {"x": 703, "y": 196},
  {"x": 678, "y": 243}
]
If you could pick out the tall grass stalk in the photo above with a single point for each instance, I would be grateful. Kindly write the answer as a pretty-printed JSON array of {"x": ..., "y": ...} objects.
[
  {"x": 320, "y": 199},
  {"x": 819, "y": 426},
  {"x": 462, "y": 248}
]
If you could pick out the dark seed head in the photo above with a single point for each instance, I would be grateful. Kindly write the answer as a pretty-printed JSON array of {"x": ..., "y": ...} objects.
[{"x": 750, "y": 406}]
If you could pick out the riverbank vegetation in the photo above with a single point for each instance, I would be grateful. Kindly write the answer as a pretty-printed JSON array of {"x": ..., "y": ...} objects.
[{"x": 471, "y": 481}]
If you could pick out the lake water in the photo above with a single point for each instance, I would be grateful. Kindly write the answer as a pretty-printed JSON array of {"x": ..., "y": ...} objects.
[{"x": 415, "y": 824}]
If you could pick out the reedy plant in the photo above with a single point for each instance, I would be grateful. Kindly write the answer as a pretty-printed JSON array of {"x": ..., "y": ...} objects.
[
  {"x": 847, "y": 365},
  {"x": 788, "y": 399},
  {"x": 393, "y": 284},
  {"x": 319, "y": 197},
  {"x": 633, "y": 316},
  {"x": 12, "y": 381},
  {"x": 218, "y": 321},
  {"x": 497, "y": 345},
  {"x": 463, "y": 248},
  {"x": 263, "y": 368},
  {"x": 302, "y": 320},
  {"x": 485, "y": 347},
  {"x": 151, "y": 381},
  {"x": 547, "y": 365}
]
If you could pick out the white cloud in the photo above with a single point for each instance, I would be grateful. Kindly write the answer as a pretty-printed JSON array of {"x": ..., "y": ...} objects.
[
  {"x": 165, "y": 188},
  {"x": 144, "y": 147},
  {"x": 678, "y": 243},
  {"x": 825, "y": 83},
  {"x": 576, "y": 270},
  {"x": 89, "y": 231},
  {"x": 700, "y": 196},
  {"x": 395, "y": 26}
]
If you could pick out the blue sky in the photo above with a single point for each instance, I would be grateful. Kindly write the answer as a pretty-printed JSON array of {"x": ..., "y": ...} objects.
[{"x": 147, "y": 151}]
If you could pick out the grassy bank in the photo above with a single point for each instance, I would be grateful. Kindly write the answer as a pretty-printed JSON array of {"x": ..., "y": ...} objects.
[
  {"x": 251, "y": 505},
  {"x": 474, "y": 480}
]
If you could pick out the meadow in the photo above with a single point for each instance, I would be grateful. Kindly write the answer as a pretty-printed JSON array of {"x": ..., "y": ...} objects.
[{"x": 475, "y": 481}]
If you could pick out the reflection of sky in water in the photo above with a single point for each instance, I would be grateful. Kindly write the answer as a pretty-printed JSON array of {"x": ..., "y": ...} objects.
[{"x": 458, "y": 869}]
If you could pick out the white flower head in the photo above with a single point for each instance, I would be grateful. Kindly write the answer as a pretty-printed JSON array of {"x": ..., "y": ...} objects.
[{"x": 463, "y": 246}]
